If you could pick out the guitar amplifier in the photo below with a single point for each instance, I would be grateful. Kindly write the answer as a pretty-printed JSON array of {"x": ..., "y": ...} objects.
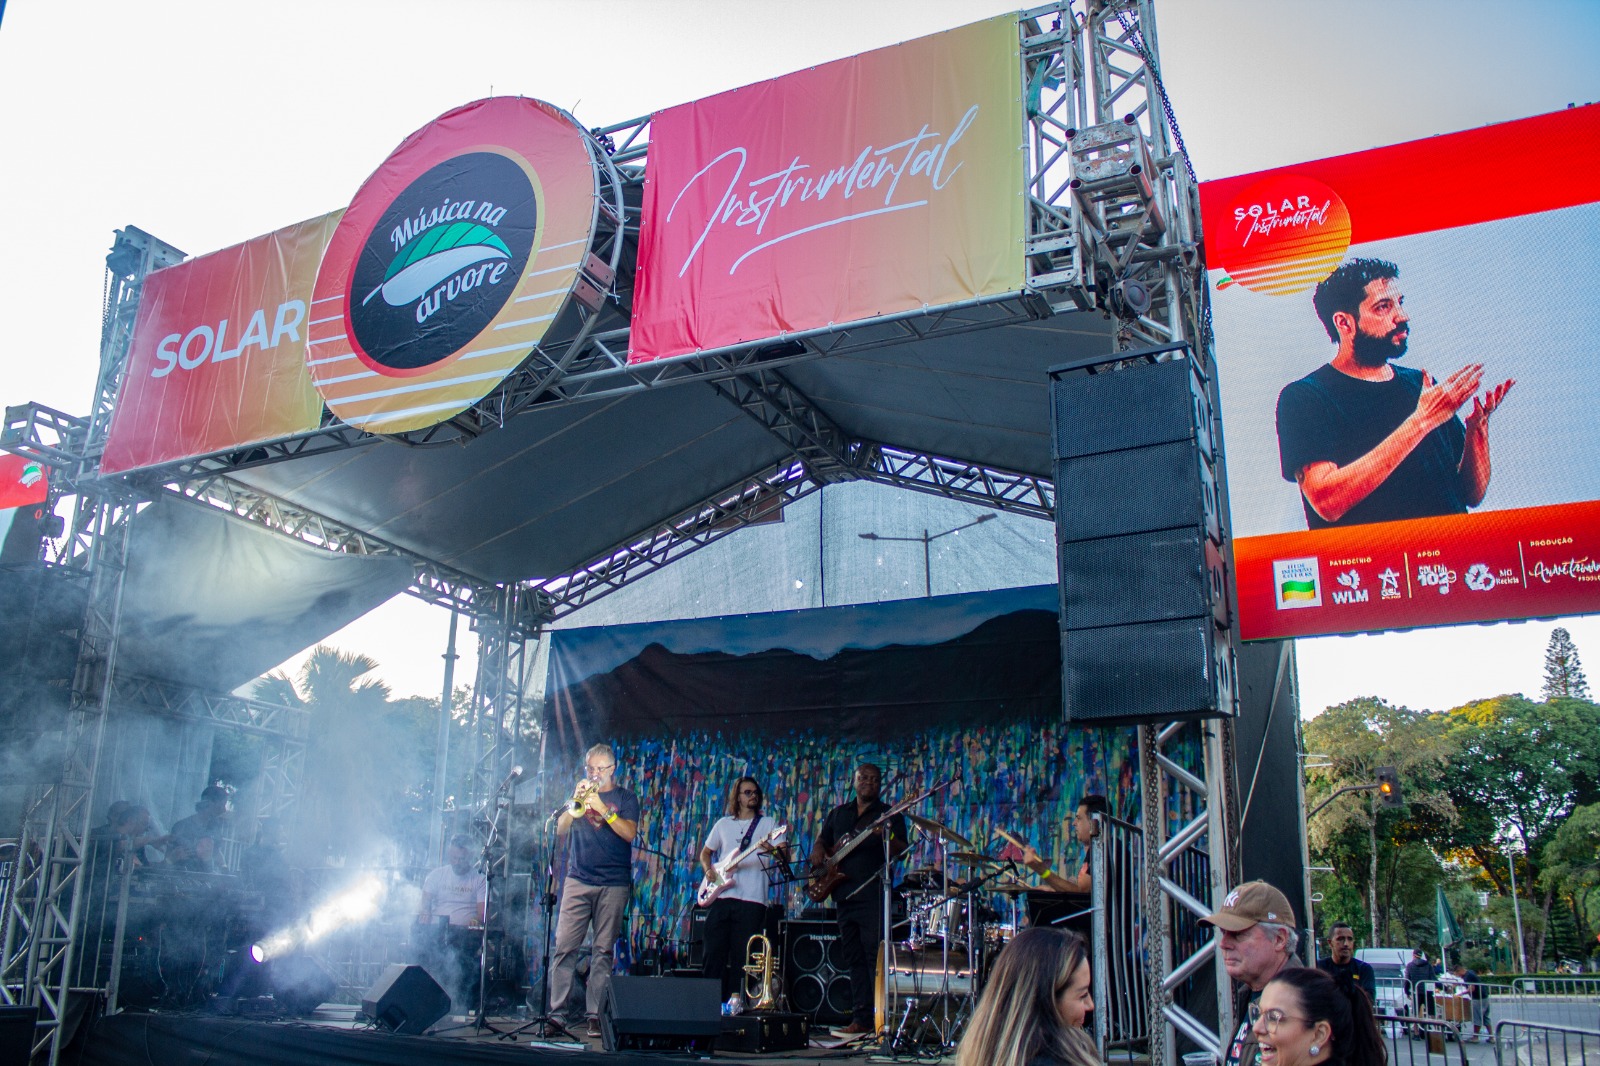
[{"x": 767, "y": 1031}]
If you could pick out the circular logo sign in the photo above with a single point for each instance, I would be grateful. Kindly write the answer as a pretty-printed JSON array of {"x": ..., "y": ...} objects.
[
  {"x": 450, "y": 264},
  {"x": 1282, "y": 235}
]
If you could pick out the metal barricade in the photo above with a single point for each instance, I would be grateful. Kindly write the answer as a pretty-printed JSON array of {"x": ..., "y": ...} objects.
[
  {"x": 1519, "y": 1043},
  {"x": 1414, "y": 1040},
  {"x": 1560, "y": 999}
]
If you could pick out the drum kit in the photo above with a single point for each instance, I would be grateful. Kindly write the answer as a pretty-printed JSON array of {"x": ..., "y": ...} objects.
[{"x": 930, "y": 974}]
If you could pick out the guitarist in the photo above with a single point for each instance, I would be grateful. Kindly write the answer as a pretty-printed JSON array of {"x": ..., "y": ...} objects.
[
  {"x": 858, "y": 897},
  {"x": 740, "y": 911}
]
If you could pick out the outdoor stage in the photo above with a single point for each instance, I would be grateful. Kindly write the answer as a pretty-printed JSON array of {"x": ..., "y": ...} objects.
[{"x": 334, "y": 1036}]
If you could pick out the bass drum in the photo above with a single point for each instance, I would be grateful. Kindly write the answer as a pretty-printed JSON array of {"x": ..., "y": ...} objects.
[{"x": 921, "y": 973}]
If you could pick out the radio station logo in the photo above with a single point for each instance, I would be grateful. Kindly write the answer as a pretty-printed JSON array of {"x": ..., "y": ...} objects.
[
  {"x": 442, "y": 261},
  {"x": 1282, "y": 235},
  {"x": 1436, "y": 576},
  {"x": 1297, "y": 583}
]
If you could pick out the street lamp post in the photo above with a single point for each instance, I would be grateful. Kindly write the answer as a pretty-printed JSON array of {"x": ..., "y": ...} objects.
[{"x": 926, "y": 540}]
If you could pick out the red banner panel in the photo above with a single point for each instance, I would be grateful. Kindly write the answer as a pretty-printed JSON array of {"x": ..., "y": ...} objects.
[
  {"x": 23, "y": 482},
  {"x": 877, "y": 184},
  {"x": 217, "y": 359},
  {"x": 1406, "y": 342}
]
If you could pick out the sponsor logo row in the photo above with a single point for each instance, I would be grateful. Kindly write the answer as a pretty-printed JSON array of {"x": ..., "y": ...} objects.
[{"x": 1298, "y": 583}]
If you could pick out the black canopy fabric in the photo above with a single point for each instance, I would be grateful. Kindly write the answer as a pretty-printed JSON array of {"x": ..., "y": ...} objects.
[
  {"x": 213, "y": 601},
  {"x": 562, "y": 484}
]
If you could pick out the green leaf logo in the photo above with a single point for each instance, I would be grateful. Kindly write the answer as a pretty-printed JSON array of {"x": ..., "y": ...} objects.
[{"x": 432, "y": 256}]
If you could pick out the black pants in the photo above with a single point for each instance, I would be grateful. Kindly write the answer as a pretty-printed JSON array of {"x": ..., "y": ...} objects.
[
  {"x": 730, "y": 923},
  {"x": 860, "y": 933}
]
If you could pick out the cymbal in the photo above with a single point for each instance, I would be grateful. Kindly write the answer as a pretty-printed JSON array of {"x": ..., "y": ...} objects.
[
  {"x": 974, "y": 858},
  {"x": 932, "y": 825}
]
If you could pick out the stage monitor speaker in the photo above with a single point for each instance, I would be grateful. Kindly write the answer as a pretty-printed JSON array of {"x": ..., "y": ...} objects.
[
  {"x": 662, "y": 1014},
  {"x": 405, "y": 1000},
  {"x": 16, "y": 1034},
  {"x": 815, "y": 977},
  {"x": 300, "y": 985},
  {"x": 1141, "y": 528}
]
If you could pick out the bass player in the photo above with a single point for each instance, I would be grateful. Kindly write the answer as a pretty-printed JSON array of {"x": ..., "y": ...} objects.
[
  {"x": 739, "y": 909},
  {"x": 857, "y": 895}
]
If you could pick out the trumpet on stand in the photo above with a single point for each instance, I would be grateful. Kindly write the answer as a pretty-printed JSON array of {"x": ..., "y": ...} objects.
[{"x": 762, "y": 966}]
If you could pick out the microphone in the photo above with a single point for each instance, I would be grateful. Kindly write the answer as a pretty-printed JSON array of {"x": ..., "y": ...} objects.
[{"x": 516, "y": 772}]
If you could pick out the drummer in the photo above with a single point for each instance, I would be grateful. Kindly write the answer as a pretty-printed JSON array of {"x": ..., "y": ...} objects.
[{"x": 1084, "y": 827}]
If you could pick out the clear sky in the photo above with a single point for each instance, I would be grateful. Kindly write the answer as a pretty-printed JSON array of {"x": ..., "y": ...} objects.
[{"x": 207, "y": 123}]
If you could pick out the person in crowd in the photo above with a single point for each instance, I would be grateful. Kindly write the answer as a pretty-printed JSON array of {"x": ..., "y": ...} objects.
[
  {"x": 1419, "y": 975},
  {"x": 1256, "y": 928},
  {"x": 196, "y": 840},
  {"x": 1307, "y": 1018},
  {"x": 1480, "y": 1002},
  {"x": 1033, "y": 1010},
  {"x": 857, "y": 896},
  {"x": 1341, "y": 962},
  {"x": 1084, "y": 828},
  {"x": 598, "y": 882},
  {"x": 740, "y": 909}
]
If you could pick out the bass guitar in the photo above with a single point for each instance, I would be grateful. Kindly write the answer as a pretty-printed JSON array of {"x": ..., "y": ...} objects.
[
  {"x": 827, "y": 877},
  {"x": 721, "y": 876}
]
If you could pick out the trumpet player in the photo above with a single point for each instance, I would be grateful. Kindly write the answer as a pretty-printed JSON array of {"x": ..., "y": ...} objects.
[
  {"x": 740, "y": 910},
  {"x": 600, "y": 822}
]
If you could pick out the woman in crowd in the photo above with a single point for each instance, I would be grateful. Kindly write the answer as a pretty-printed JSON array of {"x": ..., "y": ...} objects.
[
  {"x": 1033, "y": 1008},
  {"x": 1304, "y": 1018}
]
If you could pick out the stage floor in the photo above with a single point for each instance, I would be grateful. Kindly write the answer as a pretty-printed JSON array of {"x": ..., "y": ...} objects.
[{"x": 336, "y": 1036}]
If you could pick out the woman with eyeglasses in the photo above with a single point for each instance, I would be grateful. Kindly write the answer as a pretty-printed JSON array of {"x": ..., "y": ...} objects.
[
  {"x": 1033, "y": 1010},
  {"x": 1305, "y": 1018},
  {"x": 737, "y": 896}
]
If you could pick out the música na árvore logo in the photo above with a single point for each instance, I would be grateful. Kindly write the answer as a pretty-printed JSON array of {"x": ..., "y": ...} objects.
[{"x": 450, "y": 264}]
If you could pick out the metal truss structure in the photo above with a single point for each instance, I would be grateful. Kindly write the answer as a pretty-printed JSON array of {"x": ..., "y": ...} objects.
[{"x": 1112, "y": 226}]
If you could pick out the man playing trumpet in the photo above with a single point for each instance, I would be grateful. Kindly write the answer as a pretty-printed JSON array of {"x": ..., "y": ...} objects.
[{"x": 600, "y": 822}]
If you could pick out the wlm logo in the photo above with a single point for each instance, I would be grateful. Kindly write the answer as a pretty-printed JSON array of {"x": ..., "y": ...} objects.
[{"x": 1352, "y": 592}]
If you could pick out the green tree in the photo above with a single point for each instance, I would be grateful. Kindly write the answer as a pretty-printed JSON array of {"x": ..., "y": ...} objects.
[
  {"x": 1521, "y": 768},
  {"x": 1367, "y": 845},
  {"x": 1563, "y": 673},
  {"x": 366, "y": 758},
  {"x": 1571, "y": 861}
]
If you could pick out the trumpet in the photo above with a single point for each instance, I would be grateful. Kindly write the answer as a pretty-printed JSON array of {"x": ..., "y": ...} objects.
[
  {"x": 580, "y": 797},
  {"x": 762, "y": 965}
]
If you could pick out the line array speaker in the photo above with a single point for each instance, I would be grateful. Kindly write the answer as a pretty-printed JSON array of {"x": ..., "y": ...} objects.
[
  {"x": 815, "y": 977},
  {"x": 1141, "y": 527}
]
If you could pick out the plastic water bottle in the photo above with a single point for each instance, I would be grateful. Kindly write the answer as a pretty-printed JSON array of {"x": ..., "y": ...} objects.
[{"x": 734, "y": 1006}]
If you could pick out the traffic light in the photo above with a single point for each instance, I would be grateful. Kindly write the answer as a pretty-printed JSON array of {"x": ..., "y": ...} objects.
[{"x": 1389, "y": 787}]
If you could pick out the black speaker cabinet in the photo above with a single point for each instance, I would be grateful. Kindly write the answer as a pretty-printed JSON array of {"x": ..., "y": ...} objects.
[
  {"x": 405, "y": 1000},
  {"x": 16, "y": 1034},
  {"x": 1141, "y": 527},
  {"x": 815, "y": 978},
  {"x": 300, "y": 985},
  {"x": 767, "y": 1031},
  {"x": 662, "y": 1014}
]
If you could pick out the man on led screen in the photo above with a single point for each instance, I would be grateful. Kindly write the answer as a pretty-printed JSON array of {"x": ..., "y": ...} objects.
[{"x": 1367, "y": 441}]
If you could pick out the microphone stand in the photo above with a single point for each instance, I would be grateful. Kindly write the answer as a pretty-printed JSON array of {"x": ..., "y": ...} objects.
[
  {"x": 502, "y": 801},
  {"x": 547, "y": 1023}
]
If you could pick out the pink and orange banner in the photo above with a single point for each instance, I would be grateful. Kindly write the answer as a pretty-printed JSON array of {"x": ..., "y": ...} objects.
[
  {"x": 1479, "y": 246},
  {"x": 217, "y": 359},
  {"x": 872, "y": 185}
]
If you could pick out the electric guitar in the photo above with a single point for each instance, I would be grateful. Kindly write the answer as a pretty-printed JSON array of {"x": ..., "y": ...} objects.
[{"x": 721, "y": 878}]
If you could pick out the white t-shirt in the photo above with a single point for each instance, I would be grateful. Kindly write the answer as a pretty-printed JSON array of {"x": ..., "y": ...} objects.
[
  {"x": 456, "y": 896},
  {"x": 751, "y": 879}
]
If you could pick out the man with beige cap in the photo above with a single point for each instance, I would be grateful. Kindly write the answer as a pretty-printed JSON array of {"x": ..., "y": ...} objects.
[{"x": 1257, "y": 937}]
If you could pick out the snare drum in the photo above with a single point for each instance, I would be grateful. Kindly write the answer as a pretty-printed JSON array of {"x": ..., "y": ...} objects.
[{"x": 920, "y": 973}]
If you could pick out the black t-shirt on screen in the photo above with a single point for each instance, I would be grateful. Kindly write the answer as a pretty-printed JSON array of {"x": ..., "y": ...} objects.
[{"x": 1329, "y": 416}]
